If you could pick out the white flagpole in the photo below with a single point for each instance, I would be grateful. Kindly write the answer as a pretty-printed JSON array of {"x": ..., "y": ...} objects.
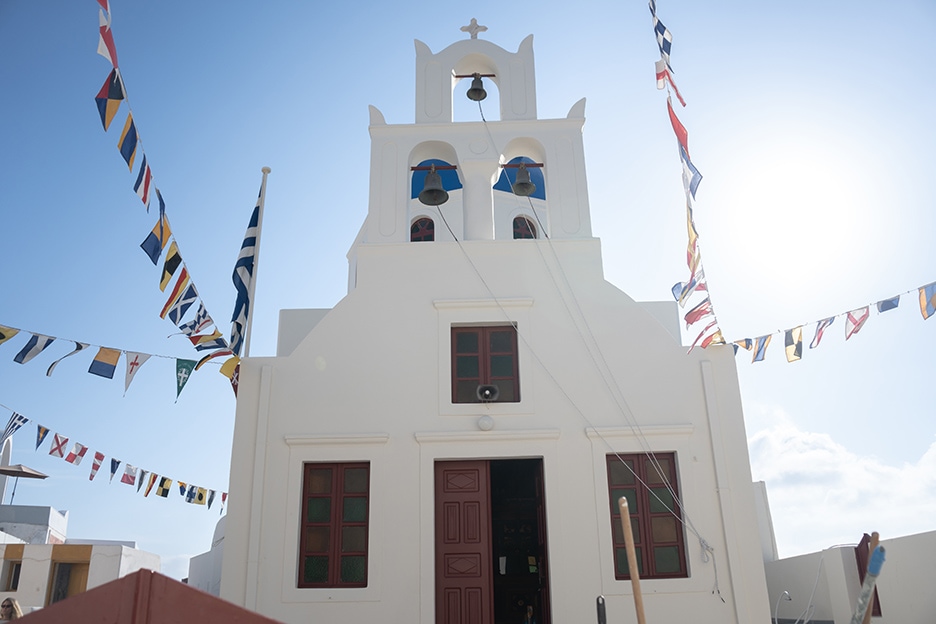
[{"x": 253, "y": 278}]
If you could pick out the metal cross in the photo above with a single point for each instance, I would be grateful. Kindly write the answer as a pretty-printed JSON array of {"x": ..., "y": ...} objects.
[{"x": 473, "y": 28}]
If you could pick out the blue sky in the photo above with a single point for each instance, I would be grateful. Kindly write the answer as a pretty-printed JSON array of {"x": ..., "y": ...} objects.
[{"x": 809, "y": 122}]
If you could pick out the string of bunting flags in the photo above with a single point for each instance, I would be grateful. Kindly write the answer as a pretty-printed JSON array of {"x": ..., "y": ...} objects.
[
  {"x": 105, "y": 362},
  {"x": 183, "y": 294},
  {"x": 854, "y": 322},
  {"x": 683, "y": 291},
  {"x": 132, "y": 475}
]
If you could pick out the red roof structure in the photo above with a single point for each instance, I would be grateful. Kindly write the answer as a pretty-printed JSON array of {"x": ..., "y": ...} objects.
[{"x": 145, "y": 597}]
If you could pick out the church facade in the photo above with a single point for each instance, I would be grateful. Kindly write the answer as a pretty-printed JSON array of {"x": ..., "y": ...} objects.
[{"x": 449, "y": 442}]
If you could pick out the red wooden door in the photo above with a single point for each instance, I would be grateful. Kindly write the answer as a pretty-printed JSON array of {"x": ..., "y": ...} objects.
[{"x": 464, "y": 586}]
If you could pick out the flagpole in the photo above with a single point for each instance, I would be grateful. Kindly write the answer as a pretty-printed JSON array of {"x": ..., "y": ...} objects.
[{"x": 253, "y": 280}]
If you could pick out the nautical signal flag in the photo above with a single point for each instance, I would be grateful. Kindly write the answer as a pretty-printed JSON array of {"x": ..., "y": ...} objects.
[
  {"x": 156, "y": 240},
  {"x": 34, "y": 346},
  {"x": 149, "y": 486},
  {"x": 699, "y": 312},
  {"x": 928, "y": 300},
  {"x": 745, "y": 343},
  {"x": 820, "y": 329},
  {"x": 106, "y": 46},
  {"x": 209, "y": 341},
  {"x": 6, "y": 333},
  {"x": 176, "y": 292},
  {"x": 104, "y": 363},
  {"x": 129, "y": 475},
  {"x": 76, "y": 454},
  {"x": 144, "y": 183},
  {"x": 663, "y": 76},
  {"x": 201, "y": 496},
  {"x": 128, "y": 141},
  {"x": 182, "y": 304},
  {"x": 109, "y": 98},
  {"x": 855, "y": 320},
  {"x": 79, "y": 346},
  {"x": 58, "y": 446},
  {"x": 200, "y": 322},
  {"x": 211, "y": 356},
  {"x": 760, "y": 348},
  {"x": 165, "y": 486},
  {"x": 141, "y": 479},
  {"x": 98, "y": 459},
  {"x": 681, "y": 134},
  {"x": 134, "y": 362},
  {"x": 663, "y": 36},
  {"x": 691, "y": 178},
  {"x": 41, "y": 433},
  {"x": 115, "y": 463},
  {"x": 793, "y": 343},
  {"x": 184, "y": 370},
  {"x": 171, "y": 263},
  {"x": 888, "y": 304}
]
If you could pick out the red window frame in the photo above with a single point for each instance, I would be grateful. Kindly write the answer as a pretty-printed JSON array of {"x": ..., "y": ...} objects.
[
  {"x": 523, "y": 227},
  {"x": 423, "y": 229},
  {"x": 656, "y": 518},
  {"x": 333, "y": 538},
  {"x": 490, "y": 358}
]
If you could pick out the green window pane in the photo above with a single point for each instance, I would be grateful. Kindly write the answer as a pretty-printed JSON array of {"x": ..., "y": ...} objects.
[
  {"x": 502, "y": 365},
  {"x": 467, "y": 366},
  {"x": 355, "y": 480},
  {"x": 317, "y": 539},
  {"x": 319, "y": 481},
  {"x": 658, "y": 476},
  {"x": 319, "y": 509},
  {"x": 355, "y": 509},
  {"x": 621, "y": 472},
  {"x": 501, "y": 342},
  {"x": 315, "y": 569},
  {"x": 620, "y": 562},
  {"x": 660, "y": 500},
  {"x": 466, "y": 342},
  {"x": 631, "y": 496},
  {"x": 353, "y": 539},
  {"x": 506, "y": 393},
  {"x": 466, "y": 392},
  {"x": 666, "y": 559},
  {"x": 663, "y": 529},
  {"x": 353, "y": 569}
]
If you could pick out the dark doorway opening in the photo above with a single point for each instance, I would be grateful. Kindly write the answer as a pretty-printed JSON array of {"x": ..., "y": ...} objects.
[{"x": 518, "y": 541}]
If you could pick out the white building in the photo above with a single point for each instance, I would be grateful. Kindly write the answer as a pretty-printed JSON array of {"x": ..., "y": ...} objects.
[{"x": 369, "y": 482}]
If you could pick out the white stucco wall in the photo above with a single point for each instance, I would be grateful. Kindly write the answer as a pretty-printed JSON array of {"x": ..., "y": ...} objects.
[
  {"x": 370, "y": 382},
  {"x": 904, "y": 586}
]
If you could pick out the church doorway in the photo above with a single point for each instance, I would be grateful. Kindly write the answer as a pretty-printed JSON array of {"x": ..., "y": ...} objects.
[{"x": 491, "y": 564}]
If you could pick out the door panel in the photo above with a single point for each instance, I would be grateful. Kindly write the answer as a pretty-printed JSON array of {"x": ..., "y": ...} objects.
[{"x": 463, "y": 543}]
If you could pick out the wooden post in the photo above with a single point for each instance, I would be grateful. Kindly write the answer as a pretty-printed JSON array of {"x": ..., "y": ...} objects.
[
  {"x": 875, "y": 540},
  {"x": 631, "y": 558}
]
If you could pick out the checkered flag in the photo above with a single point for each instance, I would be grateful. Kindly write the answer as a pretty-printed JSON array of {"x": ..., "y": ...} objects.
[
  {"x": 16, "y": 421},
  {"x": 663, "y": 36}
]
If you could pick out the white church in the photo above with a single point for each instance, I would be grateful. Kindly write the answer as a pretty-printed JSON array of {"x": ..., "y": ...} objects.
[{"x": 448, "y": 443}]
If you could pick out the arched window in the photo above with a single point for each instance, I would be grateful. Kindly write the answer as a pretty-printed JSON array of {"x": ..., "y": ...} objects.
[
  {"x": 509, "y": 175},
  {"x": 422, "y": 230},
  {"x": 523, "y": 228}
]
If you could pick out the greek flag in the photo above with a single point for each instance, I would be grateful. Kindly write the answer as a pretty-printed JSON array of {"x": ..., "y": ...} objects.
[
  {"x": 16, "y": 421},
  {"x": 243, "y": 276}
]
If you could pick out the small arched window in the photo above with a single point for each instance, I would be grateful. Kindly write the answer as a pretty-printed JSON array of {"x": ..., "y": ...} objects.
[
  {"x": 523, "y": 228},
  {"x": 422, "y": 230}
]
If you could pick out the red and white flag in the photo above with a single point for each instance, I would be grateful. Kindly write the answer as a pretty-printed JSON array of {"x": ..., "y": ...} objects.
[
  {"x": 58, "y": 446},
  {"x": 682, "y": 135},
  {"x": 134, "y": 362},
  {"x": 663, "y": 76},
  {"x": 129, "y": 476},
  {"x": 855, "y": 320},
  {"x": 106, "y": 46},
  {"x": 76, "y": 454},
  {"x": 98, "y": 458}
]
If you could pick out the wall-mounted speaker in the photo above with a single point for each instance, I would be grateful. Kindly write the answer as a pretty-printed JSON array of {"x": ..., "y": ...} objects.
[{"x": 487, "y": 392}]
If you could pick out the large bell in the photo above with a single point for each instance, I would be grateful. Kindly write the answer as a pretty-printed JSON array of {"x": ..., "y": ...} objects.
[
  {"x": 476, "y": 92},
  {"x": 433, "y": 193},
  {"x": 522, "y": 186}
]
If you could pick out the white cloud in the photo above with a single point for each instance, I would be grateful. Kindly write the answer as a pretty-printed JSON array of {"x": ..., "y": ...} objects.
[{"x": 821, "y": 494}]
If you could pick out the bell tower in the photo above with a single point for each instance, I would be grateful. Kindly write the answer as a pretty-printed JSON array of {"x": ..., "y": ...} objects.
[{"x": 473, "y": 167}]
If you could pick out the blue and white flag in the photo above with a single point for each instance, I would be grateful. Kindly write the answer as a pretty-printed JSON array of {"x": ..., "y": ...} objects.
[
  {"x": 200, "y": 322},
  {"x": 690, "y": 175},
  {"x": 16, "y": 421},
  {"x": 663, "y": 36},
  {"x": 182, "y": 304},
  {"x": 243, "y": 276},
  {"x": 34, "y": 347}
]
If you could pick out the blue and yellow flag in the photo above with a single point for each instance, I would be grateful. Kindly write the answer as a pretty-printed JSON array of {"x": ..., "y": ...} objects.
[
  {"x": 928, "y": 300},
  {"x": 128, "y": 141},
  {"x": 109, "y": 98},
  {"x": 105, "y": 362}
]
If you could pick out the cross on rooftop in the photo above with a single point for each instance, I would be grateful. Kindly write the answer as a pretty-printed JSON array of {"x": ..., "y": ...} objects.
[{"x": 473, "y": 28}]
